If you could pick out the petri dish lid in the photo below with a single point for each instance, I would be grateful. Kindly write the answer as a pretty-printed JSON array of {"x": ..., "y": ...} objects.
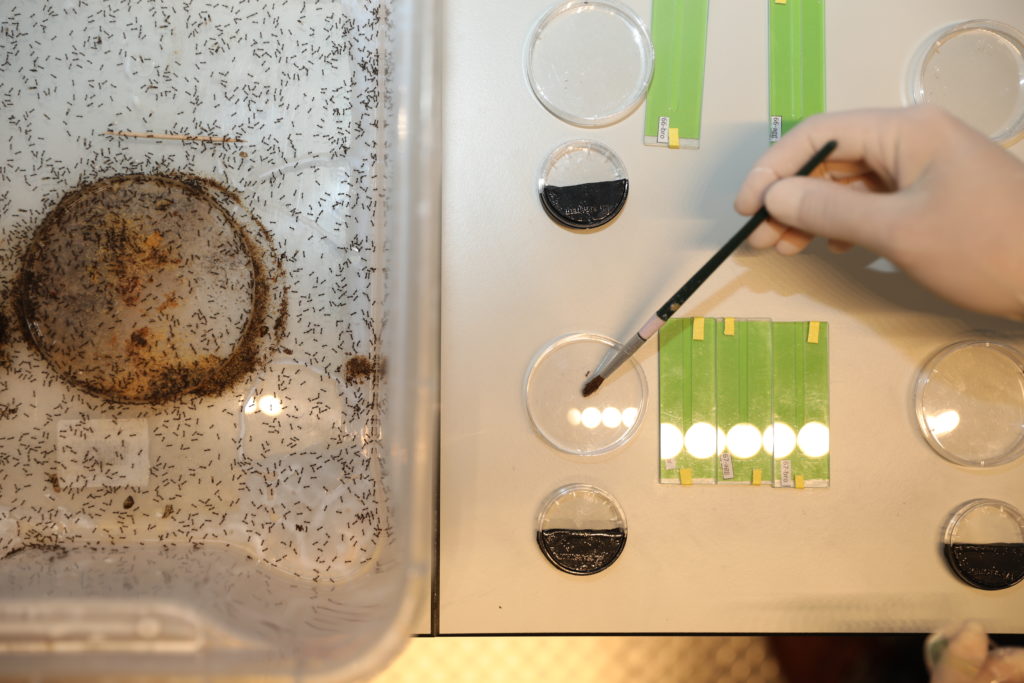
[
  {"x": 581, "y": 426},
  {"x": 974, "y": 70},
  {"x": 581, "y": 529},
  {"x": 582, "y": 185},
  {"x": 589, "y": 62},
  {"x": 984, "y": 544},
  {"x": 970, "y": 403}
]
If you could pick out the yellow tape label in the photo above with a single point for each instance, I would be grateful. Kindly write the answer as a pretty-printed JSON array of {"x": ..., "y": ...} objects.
[
  {"x": 799, "y": 481},
  {"x": 755, "y": 477},
  {"x": 686, "y": 476},
  {"x": 730, "y": 327},
  {"x": 673, "y": 138},
  {"x": 698, "y": 329},
  {"x": 813, "y": 332}
]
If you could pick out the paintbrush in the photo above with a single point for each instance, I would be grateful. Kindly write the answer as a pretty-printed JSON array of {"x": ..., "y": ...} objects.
[{"x": 611, "y": 362}]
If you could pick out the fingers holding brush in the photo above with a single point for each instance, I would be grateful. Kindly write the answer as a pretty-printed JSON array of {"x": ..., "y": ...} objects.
[{"x": 915, "y": 185}]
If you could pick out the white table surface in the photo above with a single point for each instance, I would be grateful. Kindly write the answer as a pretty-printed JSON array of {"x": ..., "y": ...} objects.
[{"x": 862, "y": 555}]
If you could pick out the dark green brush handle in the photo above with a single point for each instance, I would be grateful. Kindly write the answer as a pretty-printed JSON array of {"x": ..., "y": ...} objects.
[{"x": 691, "y": 286}]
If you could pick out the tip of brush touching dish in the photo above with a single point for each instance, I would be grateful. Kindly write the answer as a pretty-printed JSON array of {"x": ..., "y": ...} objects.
[{"x": 593, "y": 385}]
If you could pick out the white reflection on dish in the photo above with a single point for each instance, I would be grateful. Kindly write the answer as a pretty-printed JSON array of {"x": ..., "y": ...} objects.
[
  {"x": 813, "y": 439},
  {"x": 590, "y": 417},
  {"x": 629, "y": 416},
  {"x": 671, "y": 441},
  {"x": 269, "y": 405},
  {"x": 703, "y": 440},
  {"x": 744, "y": 440},
  {"x": 611, "y": 417},
  {"x": 943, "y": 423},
  {"x": 780, "y": 439}
]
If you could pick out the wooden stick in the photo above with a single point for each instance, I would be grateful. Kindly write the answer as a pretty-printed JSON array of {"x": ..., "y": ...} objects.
[{"x": 164, "y": 136}]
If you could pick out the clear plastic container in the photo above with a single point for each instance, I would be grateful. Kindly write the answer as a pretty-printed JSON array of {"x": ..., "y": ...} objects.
[{"x": 278, "y": 526}]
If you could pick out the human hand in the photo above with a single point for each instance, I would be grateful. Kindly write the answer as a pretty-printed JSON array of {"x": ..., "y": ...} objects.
[
  {"x": 916, "y": 186},
  {"x": 961, "y": 653}
]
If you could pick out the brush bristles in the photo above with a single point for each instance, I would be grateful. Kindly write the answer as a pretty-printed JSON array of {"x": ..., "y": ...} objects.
[{"x": 593, "y": 385}]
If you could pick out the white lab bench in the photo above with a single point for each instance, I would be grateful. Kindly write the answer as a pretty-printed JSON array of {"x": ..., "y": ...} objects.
[{"x": 860, "y": 556}]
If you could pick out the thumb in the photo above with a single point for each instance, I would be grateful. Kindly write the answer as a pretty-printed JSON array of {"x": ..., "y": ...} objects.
[{"x": 827, "y": 209}]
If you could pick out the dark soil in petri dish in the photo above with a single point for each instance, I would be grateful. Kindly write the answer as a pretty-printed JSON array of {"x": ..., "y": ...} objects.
[
  {"x": 585, "y": 206},
  {"x": 582, "y": 551},
  {"x": 989, "y": 566},
  {"x": 142, "y": 288}
]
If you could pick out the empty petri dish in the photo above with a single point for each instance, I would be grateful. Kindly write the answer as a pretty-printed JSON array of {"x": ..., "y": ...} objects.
[
  {"x": 581, "y": 529},
  {"x": 969, "y": 400},
  {"x": 582, "y": 185},
  {"x": 984, "y": 544},
  {"x": 589, "y": 62},
  {"x": 554, "y": 396},
  {"x": 974, "y": 70}
]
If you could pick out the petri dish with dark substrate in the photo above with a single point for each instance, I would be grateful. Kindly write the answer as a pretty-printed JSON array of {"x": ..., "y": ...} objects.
[
  {"x": 581, "y": 529},
  {"x": 142, "y": 288},
  {"x": 984, "y": 544},
  {"x": 583, "y": 185}
]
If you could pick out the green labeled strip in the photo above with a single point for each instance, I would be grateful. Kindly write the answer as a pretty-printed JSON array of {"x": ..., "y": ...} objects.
[
  {"x": 800, "y": 433},
  {"x": 744, "y": 393},
  {"x": 679, "y": 31},
  {"x": 796, "y": 62},
  {"x": 689, "y": 442}
]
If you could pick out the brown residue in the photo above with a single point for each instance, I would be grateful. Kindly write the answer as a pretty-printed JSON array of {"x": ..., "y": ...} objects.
[
  {"x": 358, "y": 369},
  {"x": 168, "y": 511},
  {"x": 54, "y": 481},
  {"x": 129, "y": 503},
  {"x": 139, "y": 339},
  {"x": 124, "y": 251},
  {"x": 170, "y": 301}
]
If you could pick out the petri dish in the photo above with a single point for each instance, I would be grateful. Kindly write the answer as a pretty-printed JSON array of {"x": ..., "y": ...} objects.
[
  {"x": 969, "y": 399},
  {"x": 984, "y": 544},
  {"x": 589, "y": 62},
  {"x": 974, "y": 70},
  {"x": 581, "y": 529},
  {"x": 141, "y": 288},
  {"x": 582, "y": 185},
  {"x": 581, "y": 426}
]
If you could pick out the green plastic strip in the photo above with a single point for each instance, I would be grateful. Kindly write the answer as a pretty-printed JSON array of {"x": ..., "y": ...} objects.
[
  {"x": 688, "y": 402},
  {"x": 801, "y": 426},
  {"x": 796, "y": 62},
  {"x": 679, "y": 31},
  {"x": 744, "y": 391}
]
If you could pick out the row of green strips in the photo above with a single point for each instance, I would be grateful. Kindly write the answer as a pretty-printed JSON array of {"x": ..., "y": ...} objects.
[
  {"x": 744, "y": 402},
  {"x": 679, "y": 31},
  {"x": 796, "y": 58}
]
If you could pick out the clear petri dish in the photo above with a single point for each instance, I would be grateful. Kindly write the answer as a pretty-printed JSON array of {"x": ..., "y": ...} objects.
[
  {"x": 581, "y": 529},
  {"x": 984, "y": 544},
  {"x": 589, "y": 62},
  {"x": 582, "y": 185},
  {"x": 969, "y": 399},
  {"x": 581, "y": 426},
  {"x": 974, "y": 70}
]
